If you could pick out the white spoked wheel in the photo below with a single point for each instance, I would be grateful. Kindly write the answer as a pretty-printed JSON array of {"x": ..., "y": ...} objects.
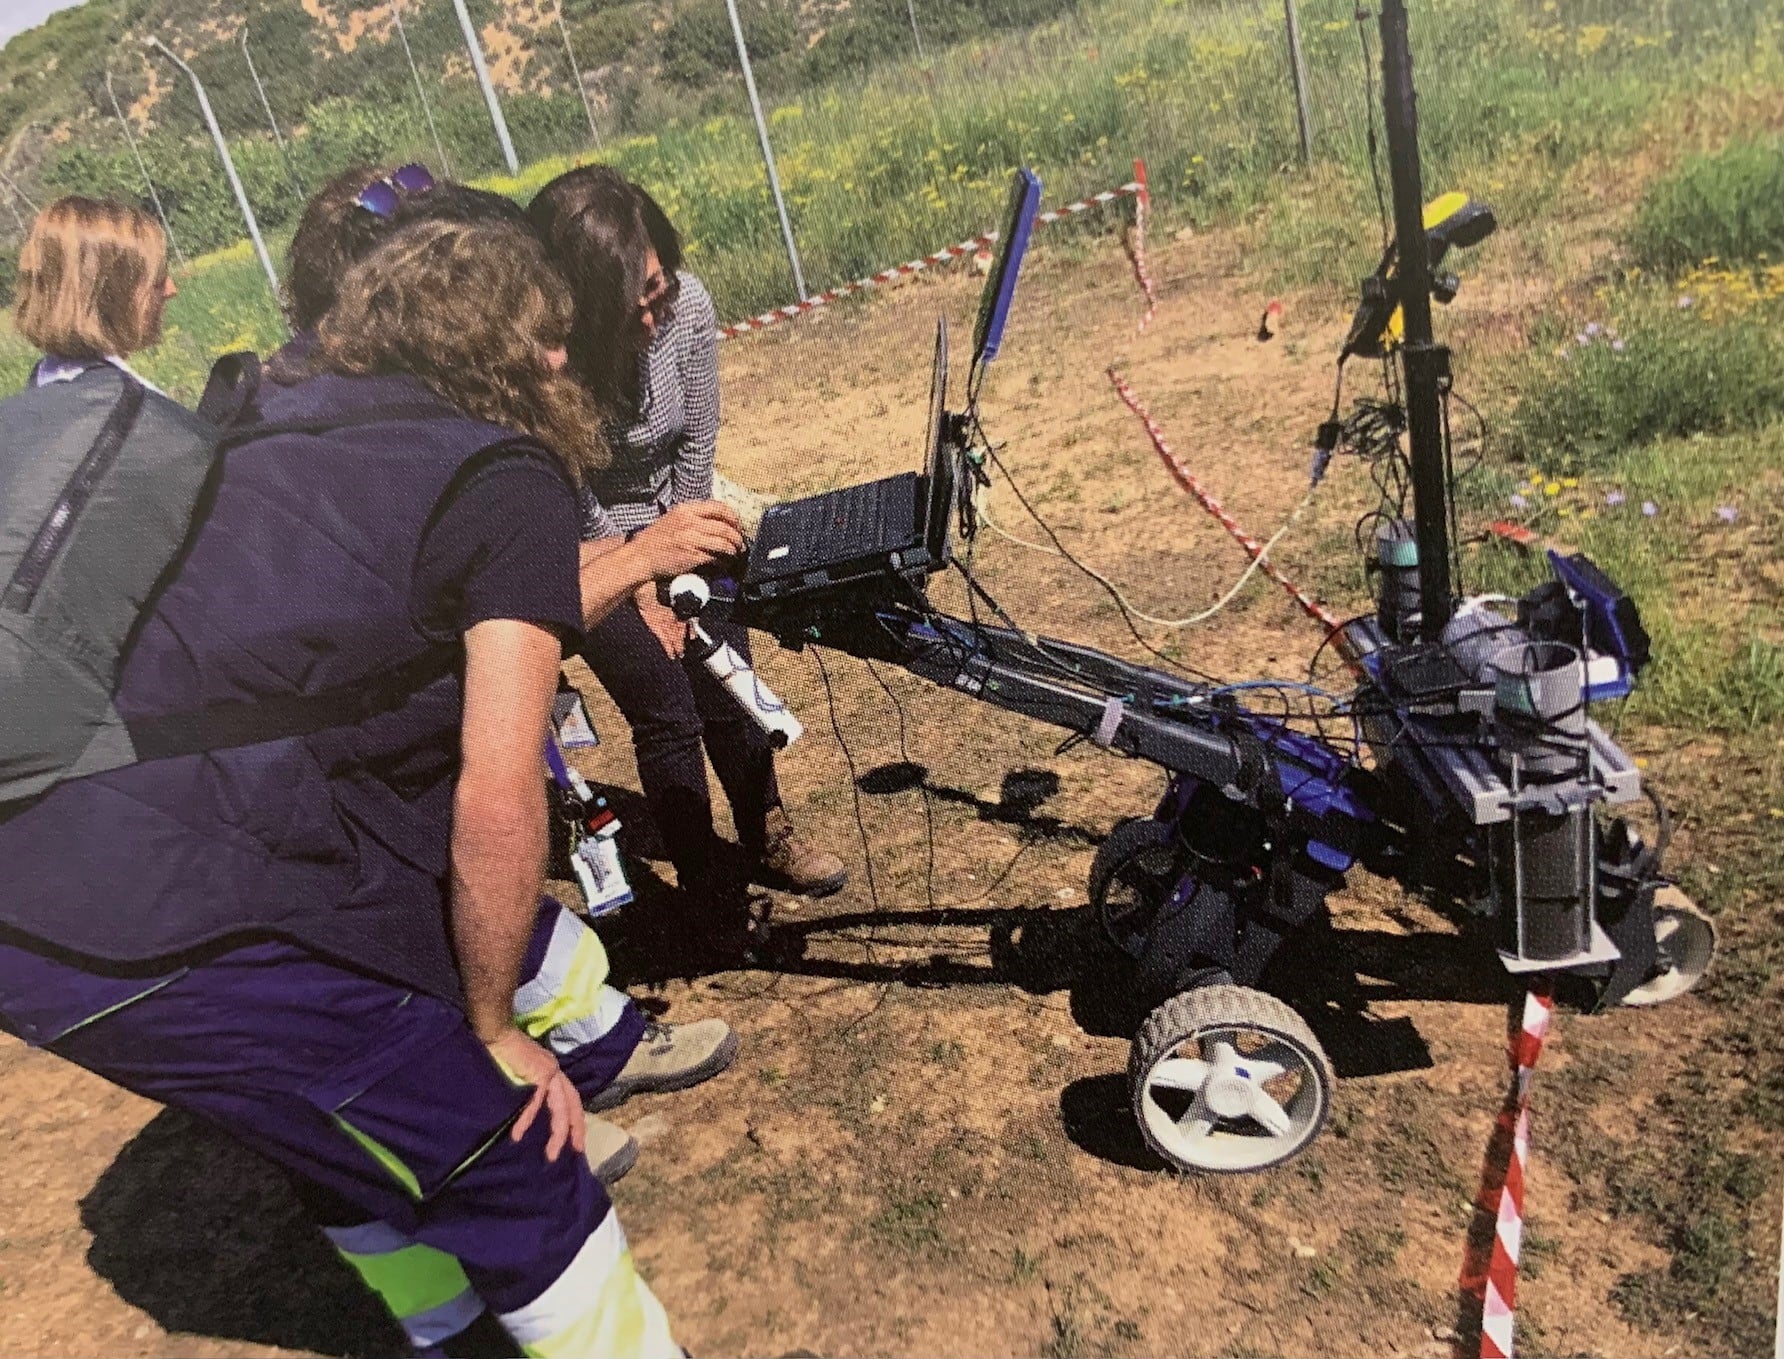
[
  {"x": 1687, "y": 941},
  {"x": 1227, "y": 1080}
]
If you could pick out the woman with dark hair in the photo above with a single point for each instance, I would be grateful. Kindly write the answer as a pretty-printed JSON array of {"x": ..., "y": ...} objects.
[
  {"x": 325, "y": 930},
  {"x": 645, "y": 344}
]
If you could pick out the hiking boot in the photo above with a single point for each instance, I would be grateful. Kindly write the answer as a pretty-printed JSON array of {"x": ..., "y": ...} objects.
[
  {"x": 670, "y": 1057},
  {"x": 793, "y": 864},
  {"x": 610, "y": 1149}
]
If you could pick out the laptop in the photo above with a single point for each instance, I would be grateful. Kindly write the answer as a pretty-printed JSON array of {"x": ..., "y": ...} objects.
[
  {"x": 903, "y": 523},
  {"x": 898, "y": 523}
]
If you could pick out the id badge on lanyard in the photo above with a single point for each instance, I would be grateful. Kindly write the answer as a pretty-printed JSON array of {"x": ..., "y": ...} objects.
[{"x": 569, "y": 717}]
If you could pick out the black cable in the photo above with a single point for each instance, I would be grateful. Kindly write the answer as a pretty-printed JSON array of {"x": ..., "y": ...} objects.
[
  {"x": 1381, "y": 203},
  {"x": 995, "y": 883},
  {"x": 873, "y": 891},
  {"x": 1480, "y": 453},
  {"x": 904, "y": 754},
  {"x": 1326, "y": 641},
  {"x": 1121, "y": 604},
  {"x": 1449, "y": 498}
]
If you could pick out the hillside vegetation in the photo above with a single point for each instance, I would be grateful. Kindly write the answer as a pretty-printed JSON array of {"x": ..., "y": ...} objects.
[{"x": 883, "y": 157}]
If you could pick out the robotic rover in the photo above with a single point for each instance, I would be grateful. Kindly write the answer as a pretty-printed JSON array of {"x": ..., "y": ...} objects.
[{"x": 1471, "y": 771}]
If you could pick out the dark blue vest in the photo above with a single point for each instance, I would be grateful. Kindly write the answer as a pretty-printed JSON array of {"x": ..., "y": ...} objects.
[{"x": 301, "y": 579}]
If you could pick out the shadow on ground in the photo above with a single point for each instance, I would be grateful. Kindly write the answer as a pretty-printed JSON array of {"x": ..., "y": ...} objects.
[{"x": 208, "y": 1239}]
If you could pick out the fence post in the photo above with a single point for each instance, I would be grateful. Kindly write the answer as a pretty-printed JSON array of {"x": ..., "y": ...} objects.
[
  {"x": 7, "y": 180},
  {"x": 489, "y": 91},
  {"x": 916, "y": 37},
  {"x": 576, "y": 74},
  {"x": 16, "y": 215},
  {"x": 148, "y": 182},
  {"x": 427, "y": 111},
  {"x": 272, "y": 122},
  {"x": 235, "y": 183},
  {"x": 1297, "y": 65},
  {"x": 780, "y": 206}
]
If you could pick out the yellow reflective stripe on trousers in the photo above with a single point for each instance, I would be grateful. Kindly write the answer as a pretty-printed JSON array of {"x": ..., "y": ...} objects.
[
  {"x": 571, "y": 983},
  {"x": 384, "y": 1156},
  {"x": 598, "y": 1306},
  {"x": 411, "y": 1280},
  {"x": 425, "y": 1289}
]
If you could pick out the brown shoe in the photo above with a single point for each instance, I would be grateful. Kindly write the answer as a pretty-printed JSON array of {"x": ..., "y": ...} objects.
[
  {"x": 610, "y": 1149},
  {"x": 669, "y": 1057},
  {"x": 794, "y": 865}
]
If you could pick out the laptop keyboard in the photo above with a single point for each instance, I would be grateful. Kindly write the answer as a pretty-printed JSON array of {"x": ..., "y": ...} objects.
[{"x": 837, "y": 528}]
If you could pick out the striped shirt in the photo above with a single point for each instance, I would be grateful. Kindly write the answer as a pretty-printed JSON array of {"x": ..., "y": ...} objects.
[{"x": 665, "y": 456}]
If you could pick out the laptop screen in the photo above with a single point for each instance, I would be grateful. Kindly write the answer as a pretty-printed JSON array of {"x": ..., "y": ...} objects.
[
  {"x": 938, "y": 464},
  {"x": 1000, "y": 286}
]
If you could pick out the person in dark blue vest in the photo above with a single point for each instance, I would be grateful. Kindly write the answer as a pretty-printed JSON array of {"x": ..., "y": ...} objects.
[
  {"x": 343, "y": 222},
  {"x": 317, "y": 942}
]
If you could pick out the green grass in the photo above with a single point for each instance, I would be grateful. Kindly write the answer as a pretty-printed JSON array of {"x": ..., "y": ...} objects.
[
  {"x": 1651, "y": 437},
  {"x": 882, "y": 167},
  {"x": 1728, "y": 206},
  {"x": 1718, "y": 664},
  {"x": 1700, "y": 358},
  {"x": 911, "y": 1220},
  {"x": 1700, "y": 1209}
]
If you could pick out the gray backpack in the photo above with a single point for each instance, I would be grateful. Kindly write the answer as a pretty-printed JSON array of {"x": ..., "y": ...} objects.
[{"x": 102, "y": 485}]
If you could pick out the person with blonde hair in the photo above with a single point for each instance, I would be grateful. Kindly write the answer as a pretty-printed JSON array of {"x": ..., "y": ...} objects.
[
  {"x": 92, "y": 285},
  {"x": 311, "y": 924}
]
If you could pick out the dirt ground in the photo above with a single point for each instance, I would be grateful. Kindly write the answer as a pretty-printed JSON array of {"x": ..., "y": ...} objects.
[{"x": 925, "y": 1147}]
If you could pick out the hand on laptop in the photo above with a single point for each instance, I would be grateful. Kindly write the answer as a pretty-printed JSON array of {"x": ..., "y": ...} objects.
[{"x": 687, "y": 537}]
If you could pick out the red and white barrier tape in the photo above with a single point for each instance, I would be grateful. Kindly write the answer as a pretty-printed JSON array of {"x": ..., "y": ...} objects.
[
  {"x": 1187, "y": 480},
  {"x": 946, "y": 255},
  {"x": 1490, "y": 1266},
  {"x": 1136, "y": 242}
]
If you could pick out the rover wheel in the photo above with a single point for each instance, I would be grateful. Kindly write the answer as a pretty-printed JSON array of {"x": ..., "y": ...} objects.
[
  {"x": 1130, "y": 878},
  {"x": 1228, "y": 1080},
  {"x": 1687, "y": 941}
]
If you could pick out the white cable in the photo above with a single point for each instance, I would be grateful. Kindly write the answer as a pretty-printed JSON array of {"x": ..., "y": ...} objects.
[{"x": 1202, "y": 617}]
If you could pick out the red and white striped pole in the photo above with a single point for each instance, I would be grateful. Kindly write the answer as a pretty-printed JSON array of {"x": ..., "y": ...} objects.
[
  {"x": 1137, "y": 244},
  {"x": 1490, "y": 1265}
]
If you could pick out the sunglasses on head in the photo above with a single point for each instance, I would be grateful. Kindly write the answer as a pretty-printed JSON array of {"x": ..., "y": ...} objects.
[{"x": 381, "y": 196}]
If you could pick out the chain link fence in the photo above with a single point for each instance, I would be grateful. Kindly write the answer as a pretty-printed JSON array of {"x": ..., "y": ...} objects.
[{"x": 893, "y": 122}]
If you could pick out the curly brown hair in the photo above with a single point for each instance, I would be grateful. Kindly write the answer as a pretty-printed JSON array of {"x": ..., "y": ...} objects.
[{"x": 472, "y": 310}]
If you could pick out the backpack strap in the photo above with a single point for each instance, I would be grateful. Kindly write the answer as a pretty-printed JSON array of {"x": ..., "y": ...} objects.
[
  {"x": 230, "y": 389},
  {"x": 250, "y": 721},
  {"x": 34, "y": 564}
]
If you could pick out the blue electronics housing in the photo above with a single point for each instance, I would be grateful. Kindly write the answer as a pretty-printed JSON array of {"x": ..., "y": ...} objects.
[{"x": 1000, "y": 290}]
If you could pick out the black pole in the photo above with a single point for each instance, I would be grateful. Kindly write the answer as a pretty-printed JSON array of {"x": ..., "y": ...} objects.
[{"x": 1427, "y": 363}]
